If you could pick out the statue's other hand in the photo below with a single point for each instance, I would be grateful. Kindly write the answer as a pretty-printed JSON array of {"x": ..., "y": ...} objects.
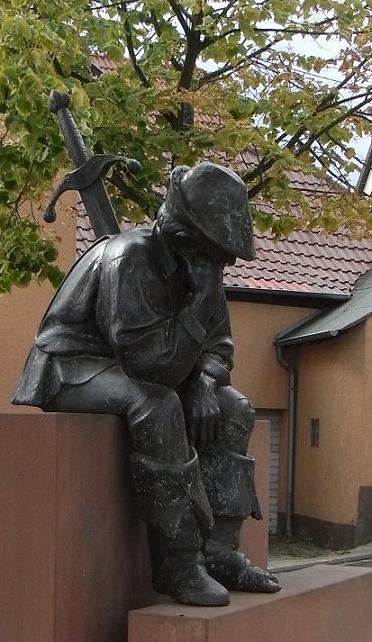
[{"x": 202, "y": 411}]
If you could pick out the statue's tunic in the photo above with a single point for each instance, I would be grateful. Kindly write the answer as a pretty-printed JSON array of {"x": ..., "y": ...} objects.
[{"x": 124, "y": 302}]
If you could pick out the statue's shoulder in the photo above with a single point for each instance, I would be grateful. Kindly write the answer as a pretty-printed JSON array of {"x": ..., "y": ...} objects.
[
  {"x": 86, "y": 261},
  {"x": 130, "y": 244}
]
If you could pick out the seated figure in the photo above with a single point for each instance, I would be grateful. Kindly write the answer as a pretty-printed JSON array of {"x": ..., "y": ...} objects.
[{"x": 140, "y": 328}]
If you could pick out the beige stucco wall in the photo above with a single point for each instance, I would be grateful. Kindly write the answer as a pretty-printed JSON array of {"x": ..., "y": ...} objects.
[
  {"x": 331, "y": 386},
  {"x": 365, "y": 477},
  {"x": 22, "y": 309},
  {"x": 257, "y": 372}
]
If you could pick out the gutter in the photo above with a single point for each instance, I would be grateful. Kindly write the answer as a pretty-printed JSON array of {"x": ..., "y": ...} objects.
[
  {"x": 290, "y": 365},
  {"x": 284, "y": 297}
]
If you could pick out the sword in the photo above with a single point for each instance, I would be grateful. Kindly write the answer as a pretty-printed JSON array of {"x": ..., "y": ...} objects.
[{"x": 88, "y": 176}]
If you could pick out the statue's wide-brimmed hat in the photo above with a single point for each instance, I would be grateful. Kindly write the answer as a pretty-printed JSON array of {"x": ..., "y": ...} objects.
[{"x": 214, "y": 200}]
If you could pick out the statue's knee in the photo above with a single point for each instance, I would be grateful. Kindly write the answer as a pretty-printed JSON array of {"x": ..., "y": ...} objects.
[
  {"x": 173, "y": 403},
  {"x": 244, "y": 411},
  {"x": 155, "y": 405},
  {"x": 238, "y": 408},
  {"x": 237, "y": 420},
  {"x": 157, "y": 428}
]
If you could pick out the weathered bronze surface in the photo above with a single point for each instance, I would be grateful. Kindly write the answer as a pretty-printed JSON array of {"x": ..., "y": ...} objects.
[{"x": 140, "y": 328}]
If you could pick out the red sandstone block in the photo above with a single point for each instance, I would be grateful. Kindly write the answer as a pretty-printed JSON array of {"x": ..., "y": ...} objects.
[
  {"x": 73, "y": 552},
  {"x": 318, "y": 604}
]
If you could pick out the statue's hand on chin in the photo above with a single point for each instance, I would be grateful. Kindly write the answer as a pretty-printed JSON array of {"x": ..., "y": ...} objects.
[{"x": 202, "y": 278}]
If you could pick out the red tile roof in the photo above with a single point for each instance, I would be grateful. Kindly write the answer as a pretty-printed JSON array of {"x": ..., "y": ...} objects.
[
  {"x": 306, "y": 262},
  {"x": 103, "y": 63}
]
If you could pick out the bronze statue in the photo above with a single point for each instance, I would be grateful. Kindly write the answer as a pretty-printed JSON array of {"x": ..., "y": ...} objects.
[{"x": 140, "y": 328}]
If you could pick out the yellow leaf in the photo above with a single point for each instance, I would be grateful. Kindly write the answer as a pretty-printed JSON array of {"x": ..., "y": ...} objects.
[
  {"x": 350, "y": 152},
  {"x": 80, "y": 99}
]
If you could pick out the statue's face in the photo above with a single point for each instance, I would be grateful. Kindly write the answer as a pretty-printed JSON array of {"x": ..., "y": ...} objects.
[{"x": 192, "y": 244}]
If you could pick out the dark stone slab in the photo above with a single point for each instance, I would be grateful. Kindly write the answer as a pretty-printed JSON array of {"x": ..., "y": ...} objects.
[
  {"x": 322, "y": 532},
  {"x": 364, "y": 520}
]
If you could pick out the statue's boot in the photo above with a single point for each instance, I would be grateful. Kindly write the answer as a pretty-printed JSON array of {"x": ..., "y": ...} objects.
[
  {"x": 229, "y": 481},
  {"x": 173, "y": 503},
  {"x": 231, "y": 567}
]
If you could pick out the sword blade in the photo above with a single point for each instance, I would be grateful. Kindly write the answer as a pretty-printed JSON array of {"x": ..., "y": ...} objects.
[{"x": 99, "y": 209}]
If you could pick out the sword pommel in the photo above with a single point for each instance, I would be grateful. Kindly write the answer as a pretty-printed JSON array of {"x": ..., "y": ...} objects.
[{"x": 58, "y": 101}]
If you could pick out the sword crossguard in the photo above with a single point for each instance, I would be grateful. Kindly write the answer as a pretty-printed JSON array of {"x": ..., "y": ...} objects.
[{"x": 86, "y": 175}]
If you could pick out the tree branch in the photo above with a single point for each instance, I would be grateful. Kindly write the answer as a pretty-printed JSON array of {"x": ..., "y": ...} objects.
[
  {"x": 126, "y": 191},
  {"x": 176, "y": 64},
  {"x": 16, "y": 203},
  {"x": 326, "y": 103},
  {"x": 268, "y": 161},
  {"x": 108, "y": 6},
  {"x": 179, "y": 13},
  {"x": 214, "y": 75},
  {"x": 132, "y": 54},
  {"x": 338, "y": 177},
  {"x": 264, "y": 182},
  {"x": 73, "y": 73},
  {"x": 346, "y": 100},
  {"x": 326, "y": 128},
  {"x": 364, "y": 116},
  {"x": 210, "y": 40},
  {"x": 304, "y": 32},
  {"x": 344, "y": 148}
]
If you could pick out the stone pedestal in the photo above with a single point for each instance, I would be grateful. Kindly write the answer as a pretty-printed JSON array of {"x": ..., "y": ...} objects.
[
  {"x": 73, "y": 552},
  {"x": 318, "y": 604}
]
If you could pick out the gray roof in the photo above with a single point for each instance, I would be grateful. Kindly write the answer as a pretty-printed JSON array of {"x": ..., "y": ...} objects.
[{"x": 330, "y": 323}]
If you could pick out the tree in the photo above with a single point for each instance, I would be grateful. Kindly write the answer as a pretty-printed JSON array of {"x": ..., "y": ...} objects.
[{"x": 191, "y": 77}]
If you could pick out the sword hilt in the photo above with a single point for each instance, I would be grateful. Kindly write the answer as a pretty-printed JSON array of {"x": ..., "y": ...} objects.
[
  {"x": 58, "y": 103},
  {"x": 86, "y": 175}
]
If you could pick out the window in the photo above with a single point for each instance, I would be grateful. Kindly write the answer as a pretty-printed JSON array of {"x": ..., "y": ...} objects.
[{"x": 314, "y": 432}]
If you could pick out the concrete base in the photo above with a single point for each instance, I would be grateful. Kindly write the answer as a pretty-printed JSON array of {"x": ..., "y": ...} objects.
[
  {"x": 320, "y": 604},
  {"x": 73, "y": 552}
]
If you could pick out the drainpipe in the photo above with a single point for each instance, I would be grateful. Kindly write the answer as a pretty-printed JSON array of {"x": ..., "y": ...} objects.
[
  {"x": 289, "y": 363},
  {"x": 364, "y": 184}
]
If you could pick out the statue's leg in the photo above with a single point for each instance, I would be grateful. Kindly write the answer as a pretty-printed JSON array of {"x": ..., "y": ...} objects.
[
  {"x": 228, "y": 475},
  {"x": 167, "y": 479}
]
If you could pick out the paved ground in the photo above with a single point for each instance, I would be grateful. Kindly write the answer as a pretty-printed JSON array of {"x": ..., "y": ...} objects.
[{"x": 359, "y": 556}]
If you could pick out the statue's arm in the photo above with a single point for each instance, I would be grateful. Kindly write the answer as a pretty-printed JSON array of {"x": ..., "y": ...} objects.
[
  {"x": 150, "y": 340},
  {"x": 216, "y": 358}
]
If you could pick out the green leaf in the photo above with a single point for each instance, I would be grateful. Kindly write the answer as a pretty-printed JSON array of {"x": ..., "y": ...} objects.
[
  {"x": 23, "y": 106},
  {"x": 80, "y": 98},
  {"x": 114, "y": 52}
]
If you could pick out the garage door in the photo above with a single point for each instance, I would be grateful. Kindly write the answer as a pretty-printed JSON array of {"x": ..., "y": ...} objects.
[{"x": 274, "y": 419}]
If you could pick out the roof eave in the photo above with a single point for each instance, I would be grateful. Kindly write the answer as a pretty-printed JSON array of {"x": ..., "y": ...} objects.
[
  {"x": 320, "y": 336},
  {"x": 312, "y": 299}
]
